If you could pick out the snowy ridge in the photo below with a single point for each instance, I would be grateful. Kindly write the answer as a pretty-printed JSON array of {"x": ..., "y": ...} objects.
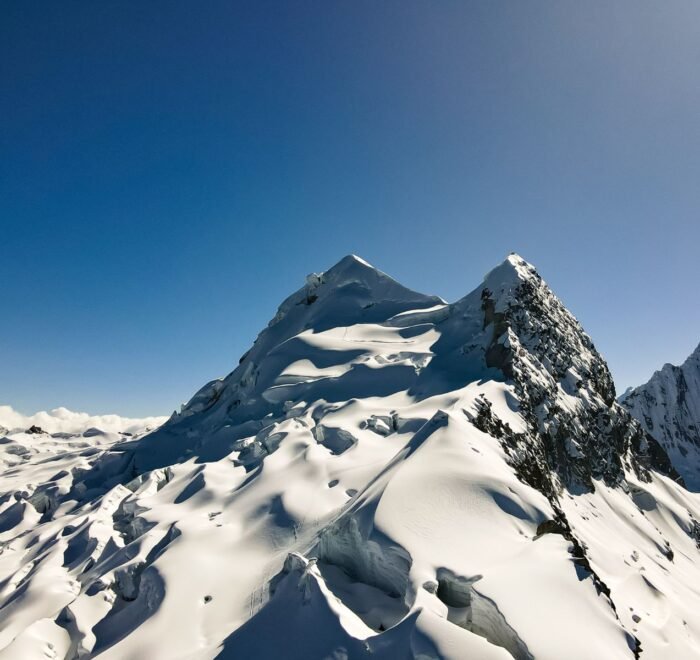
[
  {"x": 383, "y": 475},
  {"x": 668, "y": 407}
]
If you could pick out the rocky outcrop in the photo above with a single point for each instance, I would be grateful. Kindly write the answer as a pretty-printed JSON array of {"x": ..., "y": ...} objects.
[{"x": 577, "y": 433}]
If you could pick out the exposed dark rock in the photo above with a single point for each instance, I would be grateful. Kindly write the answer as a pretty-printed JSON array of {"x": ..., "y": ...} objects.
[
  {"x": 551, "y": 527},
  {"x": 543, "y": 350}
]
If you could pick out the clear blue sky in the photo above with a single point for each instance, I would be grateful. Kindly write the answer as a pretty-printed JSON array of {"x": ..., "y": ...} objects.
[{"x": 170, "y": 171}]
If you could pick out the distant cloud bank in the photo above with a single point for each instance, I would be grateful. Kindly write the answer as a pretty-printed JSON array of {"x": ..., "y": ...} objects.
[{"x": 68, "y": 421}]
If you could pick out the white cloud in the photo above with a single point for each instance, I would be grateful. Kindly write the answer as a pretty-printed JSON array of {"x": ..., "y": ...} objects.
[{"x": 67, "y": 421}]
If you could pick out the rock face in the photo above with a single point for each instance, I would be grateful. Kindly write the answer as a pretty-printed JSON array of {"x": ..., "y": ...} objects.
[
  {"x": 668, "y": 408},
  {"x": 382, "y": 475},
  {"x": 576, "y": 433}
]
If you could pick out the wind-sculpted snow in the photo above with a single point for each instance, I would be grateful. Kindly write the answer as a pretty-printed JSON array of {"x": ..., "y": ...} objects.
[
  {"x": 668, "y": 407},
  {"x": 383, "y": 475}
]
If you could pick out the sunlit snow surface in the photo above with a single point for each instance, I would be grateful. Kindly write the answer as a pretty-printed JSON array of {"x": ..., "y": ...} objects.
[{"x": 333, "y": 497}]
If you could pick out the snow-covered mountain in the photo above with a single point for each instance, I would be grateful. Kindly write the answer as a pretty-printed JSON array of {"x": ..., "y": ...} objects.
[
  {"x": 383, "y": 475},
  {"x": 668, "y": 407}
]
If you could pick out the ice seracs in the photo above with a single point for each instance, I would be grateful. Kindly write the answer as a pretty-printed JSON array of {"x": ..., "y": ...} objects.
[{"x": 382, "y": 475}]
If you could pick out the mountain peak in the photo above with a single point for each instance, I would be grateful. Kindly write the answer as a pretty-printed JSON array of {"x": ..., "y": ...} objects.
[
  {"x": 513, "y": 270},
  {"x": 350, "y": 292},
  {"x": 350, "y": 268},
  {"x": 515, "y": 259},
  {"x": 502, "y": 283},
  {"x": 358, "y": 279},
  {"x": 355, "y": 284},
  {"x": 352, "y": 259}
]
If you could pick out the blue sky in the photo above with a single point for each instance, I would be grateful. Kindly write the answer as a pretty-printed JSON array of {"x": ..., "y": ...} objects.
[{"x": 170, "y": 171}]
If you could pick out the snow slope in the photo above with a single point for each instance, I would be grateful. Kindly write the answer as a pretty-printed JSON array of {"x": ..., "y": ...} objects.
[
  {"x": 668, "y": 407},
  {"x": 383, "y": 475}
]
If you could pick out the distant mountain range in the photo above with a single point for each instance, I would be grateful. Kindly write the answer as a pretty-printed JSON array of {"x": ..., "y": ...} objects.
[{"x": 62, "y": 420}]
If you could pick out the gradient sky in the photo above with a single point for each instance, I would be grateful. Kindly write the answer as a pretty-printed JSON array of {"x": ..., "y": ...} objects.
[{"x": 170, "y": 171}]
